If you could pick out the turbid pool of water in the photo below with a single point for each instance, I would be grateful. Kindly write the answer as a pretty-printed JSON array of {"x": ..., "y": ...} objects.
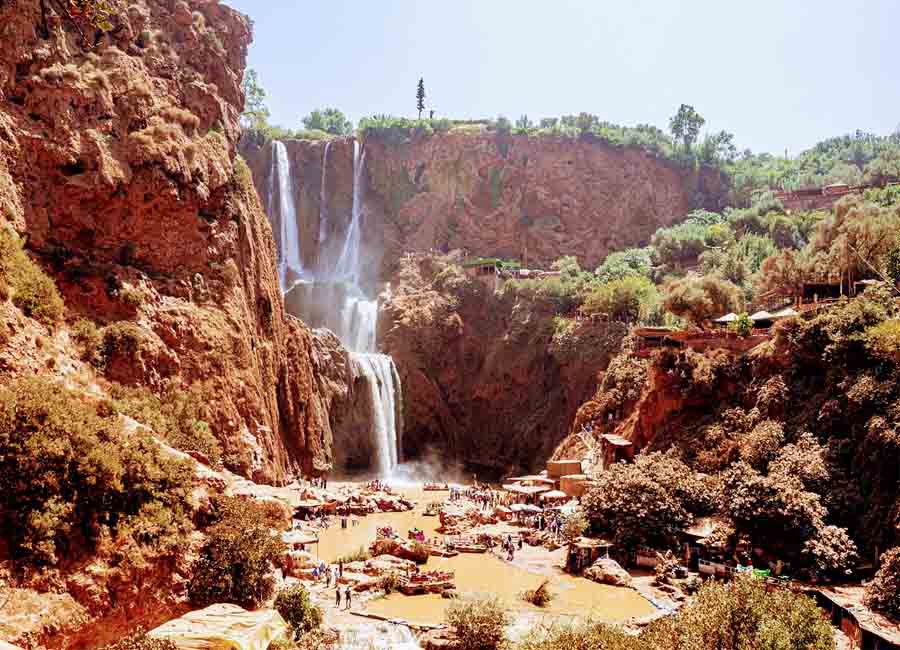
[{"x": 480, "y": 574}]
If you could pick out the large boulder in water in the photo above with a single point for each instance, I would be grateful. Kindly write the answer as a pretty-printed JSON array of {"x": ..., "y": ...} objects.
[{"x": 608, "y": 571}]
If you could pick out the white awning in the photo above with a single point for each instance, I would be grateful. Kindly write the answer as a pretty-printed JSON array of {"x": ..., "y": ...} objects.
[
  {"x": 727, "y": 318},
  {"x": 787, "y": 312},
  {"x": 761, "y": 315}
]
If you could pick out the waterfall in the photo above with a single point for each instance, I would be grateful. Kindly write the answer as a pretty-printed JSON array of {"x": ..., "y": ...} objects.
[
  {"x": 348, "y": 265},
  {"x": 332, "y": 296},
  {"x": 323, "y": 209},
  {"x": 289, "y": 258},
  {"x": 378, "y": 636}
]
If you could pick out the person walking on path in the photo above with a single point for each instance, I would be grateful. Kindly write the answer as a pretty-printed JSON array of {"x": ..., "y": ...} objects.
[
  {"x": 337, "y": 596},
  {"x": 347, "y": 597},
  {"x": 341, "y": 569}
]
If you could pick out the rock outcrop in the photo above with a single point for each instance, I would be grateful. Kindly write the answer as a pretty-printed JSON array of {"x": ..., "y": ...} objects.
[
  {"x": 609, "y": 572},
  {"x": 117, "y": 164}
]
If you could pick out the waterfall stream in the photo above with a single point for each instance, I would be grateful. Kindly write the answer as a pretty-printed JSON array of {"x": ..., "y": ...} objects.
[
  {"x": 289, "y": 256},
  {"x": 331, "y": 295},
  {"x": 380, "y": 636}
]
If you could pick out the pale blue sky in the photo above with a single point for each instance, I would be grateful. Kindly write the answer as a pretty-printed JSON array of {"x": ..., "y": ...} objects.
[{"x": 776, "y": 73}]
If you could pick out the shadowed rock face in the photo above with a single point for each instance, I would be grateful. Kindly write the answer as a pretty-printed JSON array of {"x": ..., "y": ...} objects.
[
  {"x": 117, "y": 163},
  {"x": 487, "y": 385}
]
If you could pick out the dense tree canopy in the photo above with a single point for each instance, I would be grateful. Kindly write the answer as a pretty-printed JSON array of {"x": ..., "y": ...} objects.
[{"x": 328, "y": 120}]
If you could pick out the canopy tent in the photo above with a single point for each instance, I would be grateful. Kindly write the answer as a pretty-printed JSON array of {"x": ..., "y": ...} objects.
[
  {"x": 533, "y": 478},
  {"x": 727, "y": 318},
  {"x": 223, "y": 627},
  {"x": 761, "y": 315},
  {"x": 524, "y": 507},
  {"x": 299, "y": 537},
  {"x": 787, "y": 312},
  {"x": 553, "y": 495},
  {"x": 526, "y": 489}
]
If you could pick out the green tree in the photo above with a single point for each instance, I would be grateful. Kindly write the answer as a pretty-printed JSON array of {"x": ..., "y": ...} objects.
[
  {"x": 685, "y": 125},
  {"x": 420, "y": 96},
  {"x": 743, "y": 326},
  {"x": 883, "y": 592},
  {"x": 892, "y": 264},
  {"x": 295, "y": 607},
  {"x": 235, "y": 565},
  {"x": 255, "y": 115},
  {"x": 631, "y": 261},
  {"x": 646, "y": 502},
  {"x": 701, "y": 298},
  {"x": 523, "y": 124},
  {"x": 329, "y": 120},
  {"x": 628, "y": 300}
]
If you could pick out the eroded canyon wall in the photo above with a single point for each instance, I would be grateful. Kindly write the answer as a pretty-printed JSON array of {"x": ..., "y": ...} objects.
[{"x": 117, "y": 165}]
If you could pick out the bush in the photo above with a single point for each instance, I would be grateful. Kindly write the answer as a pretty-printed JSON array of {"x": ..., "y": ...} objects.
[
  {"x": 539, "y": 597},
  {"x": 88, "y": 339},
  {"x": 743, "y": 326},
  {"x": 138, "y": 640},
  {"x": 389, "y": 583},
  {"x": 702, "y": 298},
  {"x": 179, "y": 416},
  {"x": 579, "y": 636},
  {"x": 742, "y": 614},
  {"x": 478, "y": 624},
  {"x": 883, "y": 592},
  {"x": 235, "y": 565},
  {"x": 33, "y": 291},
  {"x": 295, "y": 607},
  {"x": 86, "y": 480},
  {"x": 359, "y": 555},
  {"x": 629, "y": 300}
]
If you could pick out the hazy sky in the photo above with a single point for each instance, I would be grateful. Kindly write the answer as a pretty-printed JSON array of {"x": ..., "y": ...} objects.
[{"x": 776, "y": 73}]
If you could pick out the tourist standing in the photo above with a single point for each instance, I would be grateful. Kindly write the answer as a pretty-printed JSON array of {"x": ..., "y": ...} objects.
[
  {"x": 337, "y": 596},
  {"x": 341, "y": 568},
  {"x": 347, "y": 597}
]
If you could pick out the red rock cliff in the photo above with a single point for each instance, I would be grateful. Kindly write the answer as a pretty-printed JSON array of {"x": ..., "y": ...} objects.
[{"x": 117, "y": 163}]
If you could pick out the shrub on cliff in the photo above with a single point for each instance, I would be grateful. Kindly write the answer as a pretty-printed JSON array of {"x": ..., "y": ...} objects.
[
  {"x": 478, "y": 624},
  {"x": 86, "y": 481},
  {"x": 138, "y": 640},
  {"x": 236, "y": 563},
  {"x": 630, "y": 299},
  {"x": 88, "y": 339},
  {"x": 883, "y": 592},
  {"x": 295, "y": 607},
  {"x": 32, "y": 290},
  {"x": 179, "y": 415}
]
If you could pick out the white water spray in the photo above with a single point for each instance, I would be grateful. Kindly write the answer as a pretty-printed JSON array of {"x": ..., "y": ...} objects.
[
  {"x": 378, "y": 636},
  {"x": 289, "y": 259},
  {"x": 323, "y": 207}
]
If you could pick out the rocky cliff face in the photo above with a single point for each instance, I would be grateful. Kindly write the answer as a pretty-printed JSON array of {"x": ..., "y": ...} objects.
[
  {"x": 530, "y": 198},
  {"x": 491, "y": 381},
  {"x": 117, "y": 164}
]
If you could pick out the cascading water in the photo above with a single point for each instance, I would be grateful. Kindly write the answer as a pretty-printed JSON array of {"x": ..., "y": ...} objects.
[
  {"x": 289, "y": 261},
  {"x": 332, "y": 296},
  {"x": 379, "y": 636},
  {"x": 323, "y": 203}
]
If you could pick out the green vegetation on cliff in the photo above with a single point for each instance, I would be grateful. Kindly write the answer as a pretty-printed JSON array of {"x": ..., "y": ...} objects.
[{"x": 72, "y": 481}]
